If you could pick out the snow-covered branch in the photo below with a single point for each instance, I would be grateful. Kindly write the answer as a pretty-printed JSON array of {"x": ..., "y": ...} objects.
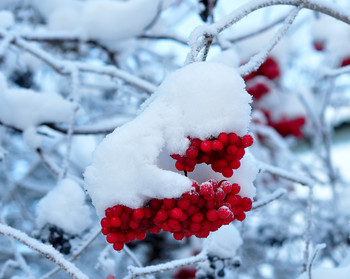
[
  {"x": 135, "y": 272},
  {"x": 270, "y": 198},
  {"x": 256, "y": 61},
  {"x": 286, "y": 174},
  {"x": 47, "y": 251},
  {"x": 214, "y": 29}
]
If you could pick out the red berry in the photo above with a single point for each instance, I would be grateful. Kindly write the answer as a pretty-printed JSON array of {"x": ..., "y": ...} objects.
[
  {"x": 212, "y": 215},
  {"x": 240, "y": 217},
  {"x": 231, "y": 149},
  {"x": 176, "y": 213},
  {"x": 223, "y": 138},
  {"x": 179, "y": 235},
  {"x": 141, "y": 235},
  {"x": 192, "y": 152},
  {"x": 125, "y": 217},
  {"x": 119, "y": 237},
  {"x": 232, "y": 138},
  {"x": 247, "y": 141},
  {"x": 169, "y": 203},
  {"x": 105, "y": 231},
  {"x": 233, "y": 199},
  {"x": 226, "y": 187},
  {"x": 180, "y": 166},
  {"x": 197, "y": 217},
  {"x": 224, "y": 212},
  {"x": 174, "y": 225},
  {"x": 219, "y": 195},
  {"x": 133, "y": 224},
  {"x": 118, "y": 246},
  {"x": 246, "y": 204},
  {"x": 111, "y": 238},
  {"x": 192, "y": 210},
  {"x": 227, "y": 172},
  {"x": 206, "y": 146},
  {"x": 235, "y": 189},
  {"x": 138, "y": 214},
  {"x": 195, "y": 227},
  {"x": 235, "y": 164},
  {"x": 109, "y": 212},
  {"x": 240, "y": 153},
  {"x": 161, "y": 216},
  {"x": 217, "y": 145},
  {"x": 183, "y": 204},
  {"x": 206, "y": 189},
  {"x": 196, "y": 142},
  {"x": 105, "y": 223},
  {"x": 129, "y": 236}
]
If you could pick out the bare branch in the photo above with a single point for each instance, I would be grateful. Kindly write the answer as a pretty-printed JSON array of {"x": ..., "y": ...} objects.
[
  {"x": 318, "y": 248},
  {"x": 270, "y": 198}
]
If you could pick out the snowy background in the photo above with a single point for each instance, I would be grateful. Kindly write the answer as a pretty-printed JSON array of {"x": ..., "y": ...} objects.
[{"x": 96, "y": 95}]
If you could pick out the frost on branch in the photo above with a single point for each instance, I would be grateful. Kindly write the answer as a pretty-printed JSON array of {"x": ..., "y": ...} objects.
[{"x": 200, "y": 100}]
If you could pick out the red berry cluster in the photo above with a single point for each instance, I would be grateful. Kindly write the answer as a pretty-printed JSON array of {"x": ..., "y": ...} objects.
[
  {"x": 222, "y": 153},
  {"x": 202, "y": 210},
  {"x": 345, "y": 61},
  {"x": 287, "y": 126},
  {"x": 258, "y": 88}
]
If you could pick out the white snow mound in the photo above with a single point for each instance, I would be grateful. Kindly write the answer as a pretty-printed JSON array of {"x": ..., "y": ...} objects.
[
  {"x": 64, "y": 206},
  {"x": 200, "y": 100}
]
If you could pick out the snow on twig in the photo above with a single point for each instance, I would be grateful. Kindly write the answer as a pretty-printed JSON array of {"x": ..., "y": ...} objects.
[
  {"x": 132, "y": 256},
  {"x": 336, "y": 72},
  {"x": 318, "y": 248},
  {"x": 286, "y": 174},
  {"x": 256, "y": 61},
  {"x": 270, "y": 198},
  {"x": 47, "y": 251},
  {"x": 307, "y": 234},
  {"x": 135, "y": 272}
]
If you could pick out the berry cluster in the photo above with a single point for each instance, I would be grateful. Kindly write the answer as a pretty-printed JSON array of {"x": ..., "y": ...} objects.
[
  {"x": 202, "y": 210},
  {"x": 258, "y": 88},
  {"x": 287, "y": 126},
  {"x": 222, "y": 153}
]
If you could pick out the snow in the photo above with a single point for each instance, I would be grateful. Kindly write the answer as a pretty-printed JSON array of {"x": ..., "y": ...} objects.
[
  {"x": 224, "y": 242},
  {"x": 7, "y": 19},
  {"x": 65, "y": 207},
  {"x": 106, "y": 20},
  {"x": 16, "y": 107},
  {"x": 200, "y": 100},
  {"x": 228, "y": 57}
]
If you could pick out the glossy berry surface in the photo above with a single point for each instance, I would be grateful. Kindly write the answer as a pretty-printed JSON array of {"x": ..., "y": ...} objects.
[{"x": 203, "y": 209}]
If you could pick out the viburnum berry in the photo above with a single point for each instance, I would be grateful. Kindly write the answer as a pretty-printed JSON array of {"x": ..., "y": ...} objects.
[
  {"x": 206, "y": 146},
  {"x": 198, "y": 212}
]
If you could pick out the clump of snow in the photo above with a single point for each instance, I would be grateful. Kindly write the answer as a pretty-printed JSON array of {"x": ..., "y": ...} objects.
[
  {"x": 64, "y": 206},
  {"x": 200, "y": 100},
  {"x": 104, "y": 20},
  {"x": 32, "y": 138},
  {"x": 7, "y": 19},
  {"x": 224, "y": 242},
  {"x": 16, "y": 107}
]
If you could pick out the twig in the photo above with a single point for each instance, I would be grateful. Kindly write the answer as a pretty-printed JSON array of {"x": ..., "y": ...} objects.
[
  {"x": 256, "y": 61},
  {"x": 318, "y": 248},
  {"x": 47, "y": 251},
  {"x": 308, "y": 229},
  {"x": 270, "y": 198},
  {"x": 132, "y": 256},
  {"x": 286, "y": 174},
  {"x": 142, "y": 271}
]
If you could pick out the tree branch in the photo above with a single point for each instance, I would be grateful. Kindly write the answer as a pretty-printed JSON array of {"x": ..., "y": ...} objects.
[{"x": 47, "y": 251}]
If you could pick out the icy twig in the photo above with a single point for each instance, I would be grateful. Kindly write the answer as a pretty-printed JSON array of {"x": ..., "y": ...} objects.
[
  {"x": 256, "y": 61},
  {"x": 135, "y": 272},
  {"x": 270, "y": 198},
  {"x": 286, "y": 174},
  {"x": 318, "y": 248},
  {"x": 336, "y": 72},
  {"x": 75, "y": 100},
  {"x": 8, "y": 264},
  {"x": 6, "y": 41},
  {"x": 308, "y": 228},
  {"x": 47, "y": 251},
  {"x": 132, "y": 256},
  {"x": 96, "y": 232}
]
